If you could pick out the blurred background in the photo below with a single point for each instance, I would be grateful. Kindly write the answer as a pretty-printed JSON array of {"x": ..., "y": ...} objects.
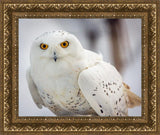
[{"x": 118, "y": 40}]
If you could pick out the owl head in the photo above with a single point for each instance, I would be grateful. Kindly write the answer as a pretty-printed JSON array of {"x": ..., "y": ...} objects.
[{"x": 55, "y": 46}]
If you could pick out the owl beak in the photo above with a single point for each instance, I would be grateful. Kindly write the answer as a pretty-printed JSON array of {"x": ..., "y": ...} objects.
[{"x": 55, "y": 57}]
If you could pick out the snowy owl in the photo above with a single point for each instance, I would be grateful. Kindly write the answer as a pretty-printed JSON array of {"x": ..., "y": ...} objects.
[{"x": 72, "y": 81}]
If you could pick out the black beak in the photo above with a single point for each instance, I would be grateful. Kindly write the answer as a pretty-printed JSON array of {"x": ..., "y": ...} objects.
[{"x": 55, "y": 57}]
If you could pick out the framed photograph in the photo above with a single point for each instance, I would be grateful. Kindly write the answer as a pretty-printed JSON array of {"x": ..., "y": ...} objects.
[{"x": 79, "y": 67}]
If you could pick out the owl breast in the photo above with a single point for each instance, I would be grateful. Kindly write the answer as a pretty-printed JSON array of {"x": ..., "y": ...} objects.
[{"x": 59, "y": 90}]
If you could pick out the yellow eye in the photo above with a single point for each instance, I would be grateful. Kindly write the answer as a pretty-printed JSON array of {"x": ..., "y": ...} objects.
[
  {"x": 43, "y": 46},
  {"x": 65, "y": 44}
]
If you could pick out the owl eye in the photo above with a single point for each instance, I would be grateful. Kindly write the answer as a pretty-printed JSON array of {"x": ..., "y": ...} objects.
[
  {"x": 43, "y": 46},
  {"x": 65, "y": 44}
]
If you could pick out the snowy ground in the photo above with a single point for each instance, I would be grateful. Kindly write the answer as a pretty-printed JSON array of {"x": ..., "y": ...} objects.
[{"x": 29, "y": 29}]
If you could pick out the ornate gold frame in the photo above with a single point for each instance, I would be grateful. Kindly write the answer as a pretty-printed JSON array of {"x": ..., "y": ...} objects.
[{"x": 147, "y": 11}]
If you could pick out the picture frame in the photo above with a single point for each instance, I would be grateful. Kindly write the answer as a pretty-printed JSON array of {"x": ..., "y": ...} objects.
[{"x": 148, "y": 11}]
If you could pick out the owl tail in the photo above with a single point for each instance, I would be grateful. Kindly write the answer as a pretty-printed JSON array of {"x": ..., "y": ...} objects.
[{"x": 132, "y": 99}]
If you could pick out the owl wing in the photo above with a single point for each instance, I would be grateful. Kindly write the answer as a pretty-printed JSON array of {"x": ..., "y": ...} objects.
[
  {"x": 33, "y": 90},
  {"x": 102, "y": 86}
]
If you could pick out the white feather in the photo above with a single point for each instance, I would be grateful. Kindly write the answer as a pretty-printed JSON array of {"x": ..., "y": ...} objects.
[
  {"x": 93, "y": 81},
  {"x": 33, "y": 90}
]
